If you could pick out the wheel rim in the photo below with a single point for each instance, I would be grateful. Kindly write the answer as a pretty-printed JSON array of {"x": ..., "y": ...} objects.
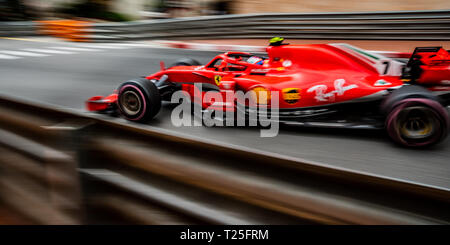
[
  {"x": 417, "y": 123},
  {"x": 131, "y": 103}
]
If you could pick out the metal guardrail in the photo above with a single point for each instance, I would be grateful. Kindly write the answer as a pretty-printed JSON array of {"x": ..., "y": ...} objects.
[
  {"x": 128, "y": 174},
  {"x": 38, "y": 178},
  {"x": 18, "y": 28},
  {"x": 402, "y": 25}
]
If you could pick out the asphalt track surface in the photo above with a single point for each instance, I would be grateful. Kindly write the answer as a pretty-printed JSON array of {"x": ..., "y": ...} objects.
[{"x": 68, "y": 77}]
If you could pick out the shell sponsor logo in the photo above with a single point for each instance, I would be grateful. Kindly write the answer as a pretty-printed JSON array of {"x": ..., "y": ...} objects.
[{"x": 291, "y": 95}]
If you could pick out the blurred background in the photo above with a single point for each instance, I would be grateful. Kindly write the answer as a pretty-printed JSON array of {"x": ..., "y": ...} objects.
[
  {"x": 122, "y": 10},
  {"x": 62, "y": 165}
]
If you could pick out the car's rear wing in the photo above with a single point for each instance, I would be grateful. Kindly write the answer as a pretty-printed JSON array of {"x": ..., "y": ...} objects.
[
  {"x": 429, "y": 65},
  {"x": 426, "y": 53}
]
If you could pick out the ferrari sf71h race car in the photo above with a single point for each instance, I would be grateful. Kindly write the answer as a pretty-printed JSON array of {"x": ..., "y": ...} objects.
[{"x": 320, "y": 85}]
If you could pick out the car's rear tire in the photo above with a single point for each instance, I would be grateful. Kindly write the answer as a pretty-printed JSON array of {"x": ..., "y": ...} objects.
[
  {"x": 138, "y": 100},
  {"x": 417, "y": 122},
  {"x": 186, "y": 62}
]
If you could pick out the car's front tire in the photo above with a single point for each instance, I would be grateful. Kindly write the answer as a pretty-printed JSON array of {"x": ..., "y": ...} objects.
[
  {"x": 138, "y": 100},
  {"x": 186, "y": 62}
]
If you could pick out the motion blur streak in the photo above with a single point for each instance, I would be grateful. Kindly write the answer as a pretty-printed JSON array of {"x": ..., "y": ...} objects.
[
  {"x": 62, "y": 165},
  {"x": 67, "y": 80},
  {"x": 58, "y": 81},
  {"x": 157, "y": 173}
]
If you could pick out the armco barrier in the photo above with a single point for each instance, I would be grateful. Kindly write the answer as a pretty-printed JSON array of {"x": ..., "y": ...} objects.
[
  {"x": 402, "y": 25},
  {"x": 66, "y": 167},
  {"x": 18, "y": 28}
]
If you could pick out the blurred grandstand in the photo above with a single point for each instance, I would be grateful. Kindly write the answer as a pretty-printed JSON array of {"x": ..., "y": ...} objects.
[
  {"x": 123, "y": 10},
  {"x": 110, "y": 10}
]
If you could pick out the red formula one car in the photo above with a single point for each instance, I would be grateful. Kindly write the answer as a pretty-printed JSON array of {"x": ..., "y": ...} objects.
[{"x": 323, "y": 85}]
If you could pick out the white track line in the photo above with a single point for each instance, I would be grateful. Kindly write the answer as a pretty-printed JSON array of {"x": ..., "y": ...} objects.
[
  {"x": 138, "y": 45},
  {"x": 22, "y": 53},
  {"x": 49, "y": 51},
  {"x": 105, "y": 46},
  {"x": 76, "y": 49},
  {"x": 8, "y": 57}
]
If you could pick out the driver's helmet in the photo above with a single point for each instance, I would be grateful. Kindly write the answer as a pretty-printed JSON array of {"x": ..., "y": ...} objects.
[{"x": 255, "y": 60}]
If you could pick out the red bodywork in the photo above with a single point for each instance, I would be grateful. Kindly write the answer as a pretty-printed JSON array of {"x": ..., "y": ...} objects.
[
  {"x": 304, "y": 75},
  {"x": 100, "y": 103},
  {"x": 434, "y": 65}
]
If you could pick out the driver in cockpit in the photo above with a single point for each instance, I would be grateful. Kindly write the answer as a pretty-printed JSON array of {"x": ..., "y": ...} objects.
[{"x": 255, "y": 60}]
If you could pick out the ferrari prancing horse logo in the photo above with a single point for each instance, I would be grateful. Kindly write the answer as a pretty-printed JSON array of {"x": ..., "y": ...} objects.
[{"x": 217, "y": 79}]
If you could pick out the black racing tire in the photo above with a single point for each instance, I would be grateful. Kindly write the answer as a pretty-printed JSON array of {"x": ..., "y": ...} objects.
[
  {"x": 417, "y": 122},
  {"x": 406, "y": 92},
  {"x": 138, "y": 100},
  {"x": 186, "y": 62}
]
